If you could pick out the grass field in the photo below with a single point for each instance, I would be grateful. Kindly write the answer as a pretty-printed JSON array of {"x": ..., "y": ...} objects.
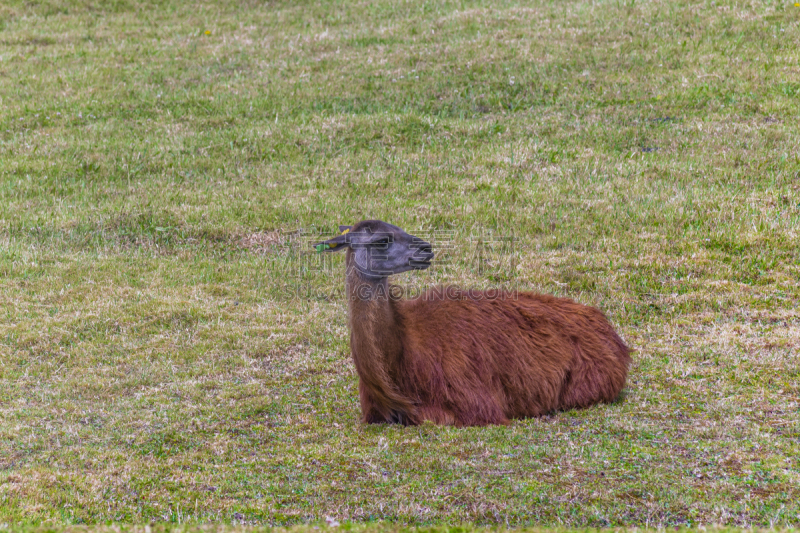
[{"x": 171, "y": 352}]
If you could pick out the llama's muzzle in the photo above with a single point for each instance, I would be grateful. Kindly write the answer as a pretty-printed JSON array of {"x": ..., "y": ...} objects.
[{"x": 422, "y": 257}]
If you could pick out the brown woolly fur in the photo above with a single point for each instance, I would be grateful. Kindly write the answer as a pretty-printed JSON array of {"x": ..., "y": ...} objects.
[{"x": 473, "y": 358}]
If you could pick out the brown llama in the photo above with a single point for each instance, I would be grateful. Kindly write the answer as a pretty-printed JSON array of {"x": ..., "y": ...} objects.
[{"x": 466, "y": 358}]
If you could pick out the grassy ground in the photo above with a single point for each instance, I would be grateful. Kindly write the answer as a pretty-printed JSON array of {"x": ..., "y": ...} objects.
[
  {"x": 170, "y": 352},
  {"x": 372, "y": 527}
]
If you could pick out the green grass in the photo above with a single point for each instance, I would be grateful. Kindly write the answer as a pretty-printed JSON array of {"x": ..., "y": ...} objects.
[
  {"x": 170, "y": 352},
  {"x": 375, "y": 527}
]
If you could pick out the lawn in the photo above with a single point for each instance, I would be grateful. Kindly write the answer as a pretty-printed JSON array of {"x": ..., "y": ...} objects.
[{"x": 171, "y": 350}]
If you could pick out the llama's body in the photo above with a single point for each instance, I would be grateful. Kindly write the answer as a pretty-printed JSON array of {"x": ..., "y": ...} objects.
[
  {"x": 463, "y": 358},
  {"x": 487, "y": 358}
]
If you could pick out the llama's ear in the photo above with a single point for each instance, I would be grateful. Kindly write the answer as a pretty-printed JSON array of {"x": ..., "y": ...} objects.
[{"x": 335, "y": 244}]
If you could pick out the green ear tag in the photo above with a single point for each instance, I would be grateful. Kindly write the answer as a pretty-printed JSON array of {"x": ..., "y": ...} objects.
[{"x": 321, "y": 247}]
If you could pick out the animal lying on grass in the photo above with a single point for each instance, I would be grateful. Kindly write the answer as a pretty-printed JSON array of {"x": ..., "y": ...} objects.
[{"x": 463, "y": 357}]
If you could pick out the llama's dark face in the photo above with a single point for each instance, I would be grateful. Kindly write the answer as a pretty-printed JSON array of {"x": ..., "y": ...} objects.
[{"x": 379, "y": 249}]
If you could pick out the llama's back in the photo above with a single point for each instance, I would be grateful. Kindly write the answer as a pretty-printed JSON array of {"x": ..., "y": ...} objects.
[{"x": 483, "y": 357}]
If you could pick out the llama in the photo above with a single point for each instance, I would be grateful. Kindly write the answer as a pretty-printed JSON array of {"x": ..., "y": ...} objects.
[{"x": 466, "y": 358}]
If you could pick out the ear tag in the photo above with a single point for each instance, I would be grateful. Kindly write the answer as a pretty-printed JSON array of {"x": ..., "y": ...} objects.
[{"x": 324, "y": 246}]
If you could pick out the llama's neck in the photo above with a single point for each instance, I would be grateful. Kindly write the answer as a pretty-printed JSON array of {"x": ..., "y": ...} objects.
[{"x": 375, "y": 336}]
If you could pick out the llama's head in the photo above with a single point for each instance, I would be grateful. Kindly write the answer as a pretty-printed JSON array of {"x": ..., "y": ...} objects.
[{"x": 378, "y": 249}]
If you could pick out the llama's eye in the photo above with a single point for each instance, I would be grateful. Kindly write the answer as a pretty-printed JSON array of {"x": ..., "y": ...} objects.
[{"x": 382, "y": 242}]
